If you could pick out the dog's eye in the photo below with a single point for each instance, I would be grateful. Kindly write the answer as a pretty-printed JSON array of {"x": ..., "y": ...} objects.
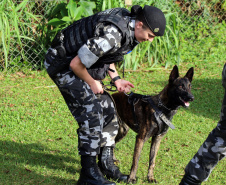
[{"x": 182, "y": 87}]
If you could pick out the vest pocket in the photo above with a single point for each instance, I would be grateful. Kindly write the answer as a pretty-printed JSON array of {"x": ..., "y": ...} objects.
[{"x": 99, "y": 73}]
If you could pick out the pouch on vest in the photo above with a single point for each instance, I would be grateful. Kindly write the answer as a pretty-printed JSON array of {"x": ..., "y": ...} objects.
[
  {"x": 56, "y": 63},
  {"x": 99, "y": 73},
  {"x": 100, "y": 69}
]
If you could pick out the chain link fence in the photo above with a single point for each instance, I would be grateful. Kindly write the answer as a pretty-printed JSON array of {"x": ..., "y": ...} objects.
[
  {"x": 24, "y": 42},
  {"x": 21, "y": 44}
]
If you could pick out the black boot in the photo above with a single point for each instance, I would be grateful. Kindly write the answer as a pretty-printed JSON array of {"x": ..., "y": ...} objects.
[
  {"x": 107, "y": 166},
  {"x": 90, "y": 173},
  {"x": 188, "y": 180}
]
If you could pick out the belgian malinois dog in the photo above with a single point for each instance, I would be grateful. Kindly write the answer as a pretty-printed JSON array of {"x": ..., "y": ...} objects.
[{"x": 150, "y": 116}]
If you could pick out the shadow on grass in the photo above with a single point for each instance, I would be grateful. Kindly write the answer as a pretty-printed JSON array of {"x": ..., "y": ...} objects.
[
  {"x": 21, "y": 164},
  {"x": 208, "y": 95}
]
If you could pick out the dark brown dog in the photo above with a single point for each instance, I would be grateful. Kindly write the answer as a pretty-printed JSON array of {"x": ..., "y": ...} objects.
[{"x": 149, "y": 116}]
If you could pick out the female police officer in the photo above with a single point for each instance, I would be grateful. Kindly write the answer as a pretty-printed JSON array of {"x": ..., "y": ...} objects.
[{"x": 80, "y": 56}]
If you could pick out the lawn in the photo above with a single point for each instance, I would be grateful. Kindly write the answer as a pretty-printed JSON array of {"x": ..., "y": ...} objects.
[{"x": 38, "y": 137}]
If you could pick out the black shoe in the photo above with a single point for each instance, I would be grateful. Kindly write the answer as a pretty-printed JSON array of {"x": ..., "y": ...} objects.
[
  {"x": 188, "y": 180},
  {"x": 90, "y": 173},
  {"x": 107, "y": 166}
]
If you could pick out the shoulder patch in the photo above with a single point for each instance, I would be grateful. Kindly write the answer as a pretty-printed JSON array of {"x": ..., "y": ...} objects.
[{"x": 104, "y": 45}]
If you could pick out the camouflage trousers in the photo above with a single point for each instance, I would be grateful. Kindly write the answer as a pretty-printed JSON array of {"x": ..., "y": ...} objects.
[
  {"x": 214, "y": 147},
  {"x": 95, "y": 114}
]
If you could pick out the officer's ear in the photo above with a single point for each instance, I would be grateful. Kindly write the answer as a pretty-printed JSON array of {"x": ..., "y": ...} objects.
[{"x": 139, "y": 24}]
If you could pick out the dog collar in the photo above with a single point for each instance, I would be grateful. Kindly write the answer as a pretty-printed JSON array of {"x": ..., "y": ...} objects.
[{"x": 160, "y": 104}]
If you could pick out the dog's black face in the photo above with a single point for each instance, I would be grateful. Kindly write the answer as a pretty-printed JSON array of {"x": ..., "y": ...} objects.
[{"x": 179, "y": 90}]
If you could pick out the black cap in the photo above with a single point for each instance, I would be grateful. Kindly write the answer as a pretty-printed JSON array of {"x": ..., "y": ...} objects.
[{"x": 155, "y": 20}]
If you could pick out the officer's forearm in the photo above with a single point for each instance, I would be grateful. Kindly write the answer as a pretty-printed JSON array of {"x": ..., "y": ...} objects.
[
  {"x": 80, "y": 70},
  {"x": 113, "y": 74}
]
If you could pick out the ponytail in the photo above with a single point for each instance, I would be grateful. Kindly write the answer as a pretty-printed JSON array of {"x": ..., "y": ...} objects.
[{"x": 136, "y": 10}]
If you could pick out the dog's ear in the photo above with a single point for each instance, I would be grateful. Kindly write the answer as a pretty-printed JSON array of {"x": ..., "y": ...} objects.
[
  {"x": 190, "y": 74},
  {"x": 174, "y": 74}
]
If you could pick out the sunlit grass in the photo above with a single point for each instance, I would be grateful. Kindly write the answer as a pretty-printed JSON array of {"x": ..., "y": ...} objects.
[{"x": 38, "y": 136}]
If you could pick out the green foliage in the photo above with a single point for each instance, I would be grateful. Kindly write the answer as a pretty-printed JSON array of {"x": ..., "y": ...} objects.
[
  {"x": 195, "y": 31},
  {"x": 62, "y": 15},
  {"x": 203, "y": 41},
  {"x": 13, "y": 31},
  {"x": 102, "y": 5},
  {"x": 206, "y": 48}
]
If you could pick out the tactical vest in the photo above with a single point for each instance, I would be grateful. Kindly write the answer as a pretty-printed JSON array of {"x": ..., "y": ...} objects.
[{"x": 77, "y": 34}]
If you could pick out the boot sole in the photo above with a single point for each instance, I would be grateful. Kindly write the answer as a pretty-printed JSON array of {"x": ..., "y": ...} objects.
[
  {"x": 83, "y": 183},
  {"x": 87, "y": 183}
]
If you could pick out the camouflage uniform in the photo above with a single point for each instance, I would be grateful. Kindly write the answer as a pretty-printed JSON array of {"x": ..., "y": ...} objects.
[
  {"x": 214, "y": 147},
  {"x": 95, "y": 114}
]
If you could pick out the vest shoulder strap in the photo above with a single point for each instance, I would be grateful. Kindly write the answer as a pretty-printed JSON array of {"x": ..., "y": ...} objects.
[{"x": 115, "y": 16}]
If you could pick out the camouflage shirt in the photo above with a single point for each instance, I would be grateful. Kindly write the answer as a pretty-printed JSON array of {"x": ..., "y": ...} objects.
[{"x": 107, "y": 39}]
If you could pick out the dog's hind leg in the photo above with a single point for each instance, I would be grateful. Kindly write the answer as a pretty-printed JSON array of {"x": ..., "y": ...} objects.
[
  {"x": 122, "y": 131},
  {"x": 155, "y": 143},
  {"x": 137, "y": 150}
]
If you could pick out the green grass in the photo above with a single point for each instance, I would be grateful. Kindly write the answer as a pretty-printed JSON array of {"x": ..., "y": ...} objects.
[{"x": 38, "y": 137}]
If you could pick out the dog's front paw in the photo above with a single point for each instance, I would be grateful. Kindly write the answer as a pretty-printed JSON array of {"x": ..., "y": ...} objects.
[
  {"x": 152, "y": 180},
  {"x": 132, "y": 181}
]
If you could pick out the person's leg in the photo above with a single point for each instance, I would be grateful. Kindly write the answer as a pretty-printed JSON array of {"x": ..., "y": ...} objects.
[
  {"x": 110, "y": 120},
  {"x": 86, "y": 109},
  {"x": 110, "y": 130},
  {"x": 210, "y": 153},
  {"x": 90, "y": 172}
]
